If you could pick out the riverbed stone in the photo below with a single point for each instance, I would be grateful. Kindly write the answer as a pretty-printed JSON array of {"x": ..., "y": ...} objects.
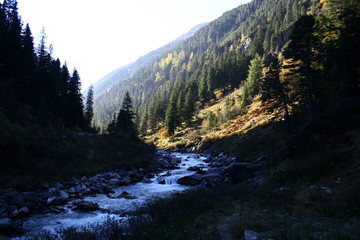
[
  {"x": 191, "y": 180},
  {"x": 24, "y": 211},
  {"x": 86, "y": 206},
  {"x": 161, "y": 180},
  {"x": 6, "y": 226},
  {"x": 56, "y": 201},
  {"x": 193, "y": 168},
  {"x": 63, "y": 194},
  {"x": 58, "y": 185},
  {"x": 150, "y": 175},
  {"x": 30, "y": 196},
  {"x": 213, "y": 179},
  {"x": 238, "y": 172},
  {"x": 114, "y": 181},
  {"x": 18, "y": 200},
  {"x": 251, "y": 235},
  {"x": 126, "y": 195}
]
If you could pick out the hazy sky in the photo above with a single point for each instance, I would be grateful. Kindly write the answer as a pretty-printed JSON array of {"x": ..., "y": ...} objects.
[{"x": 98, "y": 37}]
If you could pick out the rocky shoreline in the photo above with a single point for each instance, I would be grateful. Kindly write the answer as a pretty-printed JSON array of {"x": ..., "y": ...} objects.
[{"x": 15, "y": 205}]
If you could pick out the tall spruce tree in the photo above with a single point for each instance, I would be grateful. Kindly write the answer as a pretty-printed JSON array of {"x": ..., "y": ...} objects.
[
  {"x": 89, "y": 107},
  {"x": 273, "y": 89},
  {"x": 301, "y": 53},
  {"x": 75, "y": 112},
  {"x": 255, "y": 76},
  {"x": 125, "y": 117},
  {"x": 171, "y": 118}
]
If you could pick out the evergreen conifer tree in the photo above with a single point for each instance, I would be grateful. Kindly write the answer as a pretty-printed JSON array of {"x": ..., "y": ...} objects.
[
  {"x": 301, "y": 55},
  {"x": 273, "y": 89},
  {"x": 89, "y": 107},
  {"x": 171, "y": 118}
]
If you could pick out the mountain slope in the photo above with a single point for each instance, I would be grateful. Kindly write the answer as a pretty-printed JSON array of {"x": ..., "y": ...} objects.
[{"x": 224, "y": 47}]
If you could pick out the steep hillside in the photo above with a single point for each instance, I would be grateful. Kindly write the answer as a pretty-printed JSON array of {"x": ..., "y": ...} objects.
[{"x": 223, "y": 48}]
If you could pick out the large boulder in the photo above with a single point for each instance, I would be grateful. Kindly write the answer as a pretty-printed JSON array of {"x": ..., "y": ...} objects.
[
  {"x": 57, "y": 201},
  {"x": 238, "y": 172},
  {"x": 30, "y": 196},
  {"x": 86, "y": 206},
  {"x": 161, "y": 180},
  {"x": 251, "y": 235},
  {"x": 6, "y": 226},
  {"x": 215, "y": 170},
  {"x": 3, "y": 207},
  {"x": 212, "y": 179},
  {"x": 18, "y": 200},
  {"x": 191, "y": 180}
]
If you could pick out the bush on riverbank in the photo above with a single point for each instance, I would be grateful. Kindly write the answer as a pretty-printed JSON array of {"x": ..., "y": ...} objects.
[{"x": 33, "y": 156}]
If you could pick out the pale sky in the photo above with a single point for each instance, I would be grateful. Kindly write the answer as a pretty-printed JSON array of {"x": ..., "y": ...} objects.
[{"x": 97, "y": 37}]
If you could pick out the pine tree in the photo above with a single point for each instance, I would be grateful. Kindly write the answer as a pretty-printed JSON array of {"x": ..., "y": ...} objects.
[
  {"x": 273, "y": 89},
  {"x": 89, "y": 107},
  {"x": 257, "y": 44},
  {"x": 255, "y": 76},
  {"x": 343, "y": 57},
  {"x": 125, "y": 117},
  {"x": 28, "y": 87},
  {"x": 171, "y": 118},
  {"x": 301, "y": 55},
  {"x": 75, "y": 114},
  {"x": 180, "y": 107},
  {"x": 203, "y": 87},
  {"x": 144, "y": 121},
  {"x": 189, "y": 105}
]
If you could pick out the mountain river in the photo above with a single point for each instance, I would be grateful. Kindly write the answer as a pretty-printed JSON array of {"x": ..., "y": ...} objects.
[{"x": 113, "y": 206}]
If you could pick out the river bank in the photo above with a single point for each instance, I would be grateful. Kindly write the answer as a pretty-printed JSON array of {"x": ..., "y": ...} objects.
[{"x": 91, "y": 199}]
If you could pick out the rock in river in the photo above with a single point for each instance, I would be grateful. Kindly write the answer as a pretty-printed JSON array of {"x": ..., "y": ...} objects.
[
  {"x": 86, "y": 206},
  {"x": 6, "y": 226},
  {"x": 191, "y": 180}
]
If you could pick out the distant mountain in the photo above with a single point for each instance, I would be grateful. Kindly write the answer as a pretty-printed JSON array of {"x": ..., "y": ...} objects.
[{"x": 125, "y": 72}]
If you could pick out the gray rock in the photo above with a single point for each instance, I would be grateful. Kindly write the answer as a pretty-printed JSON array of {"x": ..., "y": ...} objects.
[
  {"x": 126, "y": 195},
  {"x": 72, "y": 190},
  {"x": 56, "y": 201},
  {"x": 24, "y": 211},
  {"x": 63, "y": 194},
  {"x": 211, "y": 171},
  {"x": 58, "y": 185},
  {"x": 161, "y": 180},
  {"x": 193, "y": 168},
  {"x": 250, "y": 235},
  {"x": 30, "y": 196},
  {"x": 78, "y": 189},
  {"x": 3, "y": 206},
  {"x": 18, "y": 200},
  {"x": 149, "y": 175},
  {"x": 213, "y": 178},
  {"x": 14, "y": 213},
  {"x": 125, "y": 181},
  {"x": 86, "y": 206},
  {"x": 107, "y": 190},
  {"x": 114, "y": 181},
  {"x": 238, "y": 172},
  {"x": 6, "y": 226},
  {"x": 191, "y": 180}
]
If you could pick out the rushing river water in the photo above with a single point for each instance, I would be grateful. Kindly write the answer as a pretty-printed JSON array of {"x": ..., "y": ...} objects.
[{"x": 113, "y": 206}]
